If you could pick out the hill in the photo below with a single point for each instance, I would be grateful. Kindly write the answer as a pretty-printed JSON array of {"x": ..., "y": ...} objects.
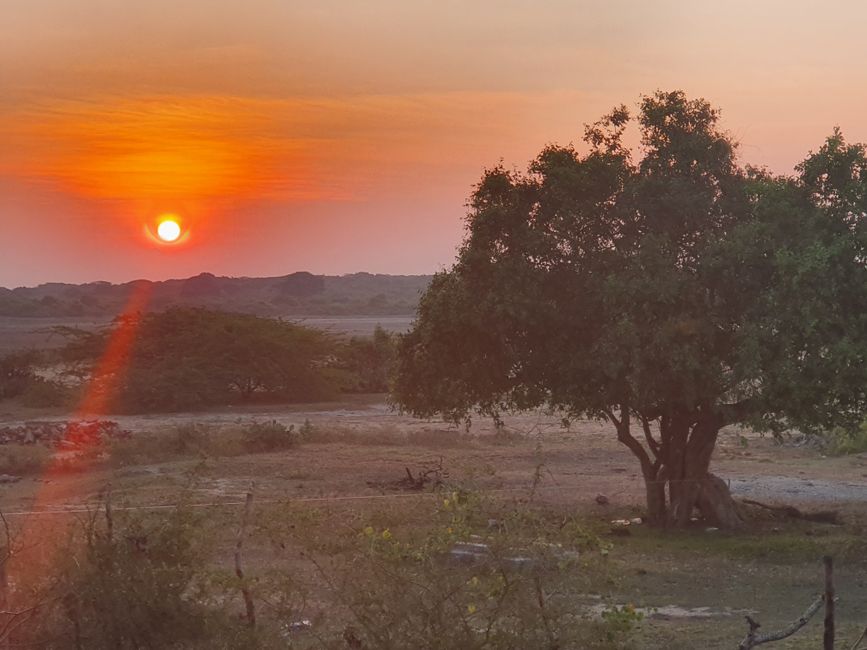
[{"x": 297, "y": 294}]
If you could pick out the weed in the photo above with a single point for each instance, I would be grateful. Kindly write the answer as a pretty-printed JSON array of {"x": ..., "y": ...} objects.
[
  {"x": 839, "y": 442},
  {"x": 23, "y": 459}
]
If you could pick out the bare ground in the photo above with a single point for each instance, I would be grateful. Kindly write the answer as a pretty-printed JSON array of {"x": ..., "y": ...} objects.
[{"x": 696, "y": 586}]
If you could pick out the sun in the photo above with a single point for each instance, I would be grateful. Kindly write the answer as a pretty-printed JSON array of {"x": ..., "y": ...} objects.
[{"x": 168, "y": 230}]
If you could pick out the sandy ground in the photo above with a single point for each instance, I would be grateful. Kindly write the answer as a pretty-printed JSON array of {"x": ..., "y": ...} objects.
[
  {"x": 575, "y": 463},
  {"x": 695, "y": 587}
]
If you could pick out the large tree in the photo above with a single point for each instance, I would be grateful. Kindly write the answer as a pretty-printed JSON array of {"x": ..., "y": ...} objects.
[{"x": 671, "y": 292}]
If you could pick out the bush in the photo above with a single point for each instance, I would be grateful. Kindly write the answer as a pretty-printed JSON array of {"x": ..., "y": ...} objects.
[
  {"x": 191, "y": 438},
  {"x": 42, "y": 393},
  {"x": 839, "y": 442},
  {"x": 23, "y": 459},
  {"x": 270, "y": 436},
  {"x": 525, "y": 591},
  {"x": 183, "y": 359},
  {"x": 139, "y": 586}
]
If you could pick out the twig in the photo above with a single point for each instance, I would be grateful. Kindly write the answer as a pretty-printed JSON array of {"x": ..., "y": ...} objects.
[
  {"x": 860, "y": 639},
  {"x": 753, "y": 639},
  {"x": 540, "y": 599},
  {"x": 828, "y": 637},
  {"x": 109, "y": 518},
  {"x": 245, "y": 590}
]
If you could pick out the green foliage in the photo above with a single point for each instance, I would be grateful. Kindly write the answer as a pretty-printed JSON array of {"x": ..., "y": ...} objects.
[
  {"x": 681, "y": 292},
  {"x": 367, "y": 362},
  {"x": 135, "y": 584},
  {"x": 19, "y": 460},
  {"x": 841, "y": 442},
  {"x": 405, "y": 590},
  {"x": 41, "y": 393},
  {"x": 199, "y": 440},
  {"x": 194, "y": 358},
  {"x": 16, "y": 373},
  {"x": 19, "y": 380},
  {"x": 680, "y": 283},
  {"x": 270, "y": 436}
]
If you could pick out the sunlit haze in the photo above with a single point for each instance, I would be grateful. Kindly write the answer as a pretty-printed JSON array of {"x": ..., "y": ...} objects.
[{"x": 338, "y": 137}]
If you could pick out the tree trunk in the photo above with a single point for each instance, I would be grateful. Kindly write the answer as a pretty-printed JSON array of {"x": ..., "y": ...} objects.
[
  {"x": 676, "y": 471},
  {"x": 657, "y": 510},
  {"x": 716, "y": 504}
]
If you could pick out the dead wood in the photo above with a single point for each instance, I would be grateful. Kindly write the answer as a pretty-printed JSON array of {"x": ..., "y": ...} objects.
[
  {"x": 245, "y": 590},
  {"x": 753, "y": 638},
  {"x": 820, "y": 516},
  {"x": 433, "y": 474}
]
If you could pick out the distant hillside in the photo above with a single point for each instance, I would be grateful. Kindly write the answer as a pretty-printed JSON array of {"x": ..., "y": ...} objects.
[{"x": 297, "y": 294}]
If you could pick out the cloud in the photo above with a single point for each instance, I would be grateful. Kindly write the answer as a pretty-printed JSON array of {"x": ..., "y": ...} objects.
[{"x": 201, "y": 148}]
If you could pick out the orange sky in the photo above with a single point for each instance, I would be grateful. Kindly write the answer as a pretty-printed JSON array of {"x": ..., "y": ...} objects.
[{"x": 345, "y": 136}]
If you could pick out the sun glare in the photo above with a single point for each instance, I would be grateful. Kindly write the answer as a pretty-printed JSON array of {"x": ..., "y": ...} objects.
[{"x": 168, "y": 230}]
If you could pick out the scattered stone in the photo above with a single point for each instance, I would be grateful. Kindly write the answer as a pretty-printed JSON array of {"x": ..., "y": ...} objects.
[
  {"x": 299, "y": 626},
  {"x": 8, "y": 478},
  {"x": 472, "y": 552},
  {"x": 68, "y": 435}
]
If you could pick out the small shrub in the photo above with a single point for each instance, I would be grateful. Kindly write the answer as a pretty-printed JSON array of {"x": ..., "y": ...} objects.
[
  {"x": 140, "y": 449},
  {"x": 839, "y": 442},
  {"x": 404, "y": 589},
  {"x": 191, "y": 438},
  {"x": 269, "y": 436},
  {"x": 138, "y": 587},
  {"x": 42, "y": 393},
  {"x": 23, "y": 459}
]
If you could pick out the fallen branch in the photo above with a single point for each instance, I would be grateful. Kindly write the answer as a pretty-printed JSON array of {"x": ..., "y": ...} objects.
[
  {"x": 860, "y": 639},
  {"x": 753, "y": 638},
  {"x": 821, "y": 516},
  {"x": 245, "y": 590}
]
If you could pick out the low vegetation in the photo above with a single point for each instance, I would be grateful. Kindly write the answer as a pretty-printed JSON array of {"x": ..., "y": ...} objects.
[{"x": 193, "y": 359}]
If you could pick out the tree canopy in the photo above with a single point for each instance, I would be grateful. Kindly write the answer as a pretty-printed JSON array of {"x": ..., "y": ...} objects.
[
  {"x": 670, "y": 290},
  {"x": 193, "y": 358}
]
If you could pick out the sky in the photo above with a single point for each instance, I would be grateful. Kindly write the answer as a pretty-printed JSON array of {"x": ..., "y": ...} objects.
[{"x": 337, "y": 137}]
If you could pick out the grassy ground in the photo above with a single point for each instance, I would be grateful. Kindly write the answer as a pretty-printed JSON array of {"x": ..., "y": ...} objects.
[{"x": 319, "y": 501}]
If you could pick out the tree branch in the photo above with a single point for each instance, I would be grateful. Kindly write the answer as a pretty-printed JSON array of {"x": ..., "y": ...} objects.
[
  {"x": 737, "y": 411},
  {"x": 648, "y": 435},
  {"x": 626, "y": 438},
  {"x": 753, "y": 639}
]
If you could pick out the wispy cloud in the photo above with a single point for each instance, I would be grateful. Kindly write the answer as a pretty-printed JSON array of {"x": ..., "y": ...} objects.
[{"x": 210, "y": 147}]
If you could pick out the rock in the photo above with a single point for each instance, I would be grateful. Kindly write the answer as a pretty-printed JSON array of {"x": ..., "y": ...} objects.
[
  {"x": 8, "y": 478},
  {"x": 602, "y": 500},
  {"x": 298, "y": 626},
  {"x": 469, "y": 552}
]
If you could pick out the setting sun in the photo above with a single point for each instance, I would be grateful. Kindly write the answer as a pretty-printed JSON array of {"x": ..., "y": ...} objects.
[{"x": 168, "y": 230}]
